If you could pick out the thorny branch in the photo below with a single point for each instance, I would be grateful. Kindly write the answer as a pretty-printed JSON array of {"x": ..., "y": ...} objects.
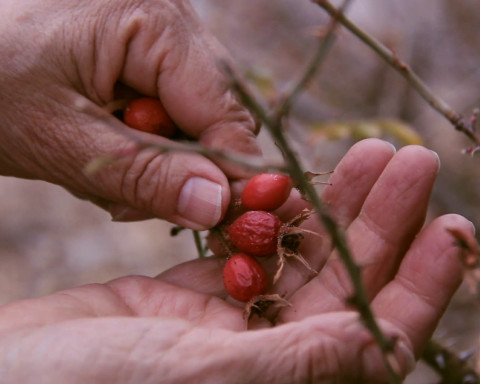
[
  {"x": 163, "y": 145},
  {"x": 466, "y": 126},
  {"x": 360, "y": 298},
  {"x": 452, "y": 368}
]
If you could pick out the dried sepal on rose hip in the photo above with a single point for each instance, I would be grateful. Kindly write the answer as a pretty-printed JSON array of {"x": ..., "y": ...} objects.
[
  {"x": 246, "y": 280},
  {"x": 260, "y": 304},
  {"x": 289, "y": 239},
  {"x": 266, "y": 191},
  {"x": 148, "y": 115},
  {"x": 244, "y": 277},
  {"x": 255, "y": 233}
]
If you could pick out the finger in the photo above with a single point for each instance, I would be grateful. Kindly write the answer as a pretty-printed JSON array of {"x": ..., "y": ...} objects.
[
  {"x": 349, "y": 184},
  {"x": 392, "y": 214},
  {"x": 426, "y": 280},
  {"x": 354, "y": 177}
]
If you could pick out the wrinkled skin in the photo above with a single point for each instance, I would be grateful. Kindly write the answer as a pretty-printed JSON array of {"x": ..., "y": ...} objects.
[
  {"x": 181, "y": 327},
  {"x": 63, "y": 64}
]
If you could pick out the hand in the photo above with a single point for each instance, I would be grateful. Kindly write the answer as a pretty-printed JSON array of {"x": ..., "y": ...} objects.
[
  {"x": 182, "y": 327},
  {"x": 62, "y": 63}
]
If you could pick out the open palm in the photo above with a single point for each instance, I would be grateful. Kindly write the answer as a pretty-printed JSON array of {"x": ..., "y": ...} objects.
[{"x": 183, "y": 327}]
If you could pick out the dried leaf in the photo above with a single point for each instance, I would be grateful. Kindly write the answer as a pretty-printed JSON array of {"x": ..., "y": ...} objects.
[
  {"x": 361, "y": 129},
  {"x": 401, "y": 131}
]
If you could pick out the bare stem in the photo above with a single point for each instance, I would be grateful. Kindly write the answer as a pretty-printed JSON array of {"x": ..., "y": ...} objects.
[
  {"x": 458, "y": 121},
  {"x": 145, "y": 141},
  {"x": 360, "y": 298},
  {"x": 198, "y": 243},
  {"x": 313, "y": 67}
]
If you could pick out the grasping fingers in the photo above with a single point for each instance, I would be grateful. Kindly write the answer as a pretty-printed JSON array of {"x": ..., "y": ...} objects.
[
  {"x": 425, "y": 282},
  {"x": 391, "y": 216}
]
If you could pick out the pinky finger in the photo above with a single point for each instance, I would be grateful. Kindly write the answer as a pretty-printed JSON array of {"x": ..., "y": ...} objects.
[{"x": 428, "y": 277}]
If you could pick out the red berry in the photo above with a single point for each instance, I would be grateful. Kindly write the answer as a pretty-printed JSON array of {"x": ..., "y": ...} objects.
[
  {"x": 266, "y": 191},
  {"x": 244, "y": 278},
  {"x": 148, "y": 115},
  {"x": 255, "y": 233}
]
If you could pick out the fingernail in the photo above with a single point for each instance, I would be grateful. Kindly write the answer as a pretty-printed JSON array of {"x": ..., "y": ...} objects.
[
  {"x": 402, "y": 361},
  {"x": 394, "y": 149},
  {"x": 474, "y": 229},
  {"x": 200, "y": 202},
  {"x": 438, "y": 160}
]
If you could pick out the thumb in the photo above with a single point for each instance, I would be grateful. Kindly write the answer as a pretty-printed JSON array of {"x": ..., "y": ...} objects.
[{"x": 184, "y": 188}]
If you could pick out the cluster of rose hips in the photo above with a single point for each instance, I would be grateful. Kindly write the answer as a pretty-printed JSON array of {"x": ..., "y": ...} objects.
[{"x": 255, "y": 235}]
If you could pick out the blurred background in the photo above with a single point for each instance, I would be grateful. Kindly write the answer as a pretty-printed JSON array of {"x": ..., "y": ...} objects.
[{"x": 50, "y": 240}]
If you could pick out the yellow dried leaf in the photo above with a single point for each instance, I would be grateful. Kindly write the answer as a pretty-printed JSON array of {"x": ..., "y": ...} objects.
[
  {"x": 401, "y": 131},
  {"x": 362, "y": 129}
]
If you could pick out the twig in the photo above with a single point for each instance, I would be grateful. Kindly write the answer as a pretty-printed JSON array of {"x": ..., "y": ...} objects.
[
  {"x": 458, "y": 121},
  {"x": 452, "y": 368},
  {"x": 198, "y": 243},
  {"x": 360, "y": 298},
  {"x": 313, "y": 67},
  {"x": 145, "y": 141}
]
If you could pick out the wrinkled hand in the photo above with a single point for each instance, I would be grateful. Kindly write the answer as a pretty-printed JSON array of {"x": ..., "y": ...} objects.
[
  {"x": 181, "y": 327},
  {"x": 58, "y": 56}
]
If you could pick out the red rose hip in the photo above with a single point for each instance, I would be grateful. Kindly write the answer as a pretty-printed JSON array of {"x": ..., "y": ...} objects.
[
  {"x": 266, "y": 191},
  {"x": 255, "y": 233},
  {"x": 148, "y": 115},
  {"x": 244, "y": 278}
]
